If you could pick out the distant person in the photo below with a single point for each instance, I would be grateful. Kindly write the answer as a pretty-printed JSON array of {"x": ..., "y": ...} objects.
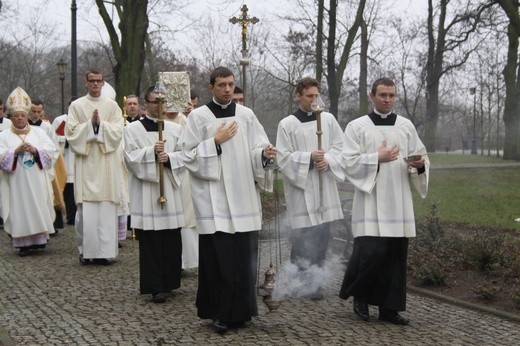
[
  {"x": 94, "y": 132},
  {"x": 376, "y": 146},
  {"x": 5, "y": 123},
  {"x": 26, "y": 156},
  {"x": 38, "y": 118},
  {"x": 302, "y": 163},
  {"x": 132, "y": 108},
  {"x": 225, "y": 148},
  {"x": 238, "y": 95},
  {"x": 59, "y": 123},
  {"x": 193, "y": 103}
]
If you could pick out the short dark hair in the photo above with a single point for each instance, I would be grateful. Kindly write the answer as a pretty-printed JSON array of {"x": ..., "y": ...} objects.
[
  {"x": 37, "y": 102},
  {"x": 238, "y": 90},
  {"x": 306, "y": 83},
  {"x": 220, "y": 72},
  {"x": 193, "y": 94},
  {"x": 93, "y": 71},
  {"x": 148, "y": 92},
  {"x": 381, "y": 81}
]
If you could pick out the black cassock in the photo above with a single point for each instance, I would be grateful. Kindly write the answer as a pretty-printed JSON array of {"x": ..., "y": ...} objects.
[
  {"x": 227, "y": 276},
  {"x": 376, "y": 272}
]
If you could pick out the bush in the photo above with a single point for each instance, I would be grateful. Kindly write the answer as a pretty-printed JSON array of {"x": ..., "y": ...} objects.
[
  {"x": 484, "y": 251},
  {"x": 430, "y": 259},
  {"x": 487, "y": 291}
]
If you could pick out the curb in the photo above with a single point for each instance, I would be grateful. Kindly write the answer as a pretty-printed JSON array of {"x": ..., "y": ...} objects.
[{"x": 464, "y": 304}]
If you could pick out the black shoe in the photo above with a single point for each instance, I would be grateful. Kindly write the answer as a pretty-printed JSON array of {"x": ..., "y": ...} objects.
[
  {"x": 103, "y": 261},
  {"x": 361, "y": 309},
  {"x": 393, "y": 317},
  {"x": 158, "y": 298},
  {"x": 220, "y": 327},
  {"x": 84, "y": 261},
  {"x": 23, "y": 252}
]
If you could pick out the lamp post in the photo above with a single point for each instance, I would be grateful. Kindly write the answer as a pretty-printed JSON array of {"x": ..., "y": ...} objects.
[
  {"x": 73, "y": 52},
  {"x": 473, "y": 91},
  {"x": 62, "y": 68},
  {"x": 244, "y": 20}
]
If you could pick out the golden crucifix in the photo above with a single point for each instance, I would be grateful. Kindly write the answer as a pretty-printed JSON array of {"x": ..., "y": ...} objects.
[{"x": 244, "y": 20}]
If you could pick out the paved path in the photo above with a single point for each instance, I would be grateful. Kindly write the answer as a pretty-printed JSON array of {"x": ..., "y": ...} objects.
[{"x": 48, "y": 298}]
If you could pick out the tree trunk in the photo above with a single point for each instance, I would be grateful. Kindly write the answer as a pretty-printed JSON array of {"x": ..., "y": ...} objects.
[
  {"x": 336, "y": 71},
  {"x": 511, "y": 122},
  {"x": 128, "y": 49},
  {"x": 319, "y": 41},
  {"x": 363, "y": 71}
]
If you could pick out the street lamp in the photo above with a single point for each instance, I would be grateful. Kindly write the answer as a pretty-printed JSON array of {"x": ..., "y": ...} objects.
[
  {"x": 73, "y": 51},
  {"x": 473, "y": 91},
  {"x": 62, "y": 69}
]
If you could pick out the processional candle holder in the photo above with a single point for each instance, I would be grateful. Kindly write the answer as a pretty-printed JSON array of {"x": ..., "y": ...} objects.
[
  {"x": 317, "y": 106},
  {"x": 267, "y": 288},
  {"x": 160, "y": 90}
]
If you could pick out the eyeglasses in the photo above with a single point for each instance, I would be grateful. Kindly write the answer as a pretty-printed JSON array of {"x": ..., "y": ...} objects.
[
  {"x": 153, "y": 102},
  {"x": 94, "y": 81}
]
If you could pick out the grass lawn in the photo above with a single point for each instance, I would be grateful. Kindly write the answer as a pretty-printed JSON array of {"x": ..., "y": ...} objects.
[{"x": 487, "y": 197}]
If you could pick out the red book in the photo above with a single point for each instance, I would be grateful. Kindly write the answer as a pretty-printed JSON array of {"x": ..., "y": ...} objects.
[{"x": 60, "y": 131}]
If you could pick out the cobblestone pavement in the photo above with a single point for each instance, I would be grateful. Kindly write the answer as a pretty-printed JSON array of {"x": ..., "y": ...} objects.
[{"x": 48, "y": 298}]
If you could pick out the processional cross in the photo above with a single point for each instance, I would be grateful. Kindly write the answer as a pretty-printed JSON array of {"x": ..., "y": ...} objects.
[{"x": 244, "y": 20}]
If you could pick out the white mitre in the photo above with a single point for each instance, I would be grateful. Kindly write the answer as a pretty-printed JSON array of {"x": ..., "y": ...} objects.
[{"x": 18, "y": 101}]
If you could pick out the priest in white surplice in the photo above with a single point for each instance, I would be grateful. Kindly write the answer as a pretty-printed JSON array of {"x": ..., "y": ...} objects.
[
  {"x": 160, "y": 245},
  {"x": 376, "y": 146},
  {"x": 224, "y": 149},
  {"x": 301, "y": 163},
  {"x": 27, "y": 156},
  {"x": 94, "y": 131}
]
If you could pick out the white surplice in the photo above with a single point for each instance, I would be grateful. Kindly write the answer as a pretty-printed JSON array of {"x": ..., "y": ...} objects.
[
  {"x": 223, "y": 186},
  {"x": 383, "y": 205},
  {"x": 189, "y": 235},
  {"x": 27, "y": 198},
  {"x": 295, "y": 141},
  {"x": 146, "y": 213},
  {"x": 98, "y": 165}
]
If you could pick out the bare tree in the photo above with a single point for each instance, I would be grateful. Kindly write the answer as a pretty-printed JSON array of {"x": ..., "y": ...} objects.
[
  {"x": 511, "y": 74},
  {"x": 446, "y": 36},
  {"x": 128, "y": 47}
]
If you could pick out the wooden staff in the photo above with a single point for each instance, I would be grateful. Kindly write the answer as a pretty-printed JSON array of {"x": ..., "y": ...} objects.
[
  {"x": 160, "y": 124},
  {"x": 318, "y": 111}
]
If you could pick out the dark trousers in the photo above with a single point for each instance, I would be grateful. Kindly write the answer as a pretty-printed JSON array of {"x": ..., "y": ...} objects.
[
  {"x": 376, "y": 272},
  {"x": 70, "y": 204},
  {"x": 160, "y": 260},
  {"x": 309, "y": 245},
  {"x": 227, "y": 276}
]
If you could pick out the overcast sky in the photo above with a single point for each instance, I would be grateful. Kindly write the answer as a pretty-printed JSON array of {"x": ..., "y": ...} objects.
[{"x": 91, "y": 28}]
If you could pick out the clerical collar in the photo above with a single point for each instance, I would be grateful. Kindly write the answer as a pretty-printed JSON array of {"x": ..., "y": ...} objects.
[
  {"x": 303, "y": 116},
  {"x": 222, "y": 105},
  {"x": 222, "y": 111},
  {"x": 378, "y": 120},
  {"x": 35, "y": 123},
  {"x": 381, "y": 114}
]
